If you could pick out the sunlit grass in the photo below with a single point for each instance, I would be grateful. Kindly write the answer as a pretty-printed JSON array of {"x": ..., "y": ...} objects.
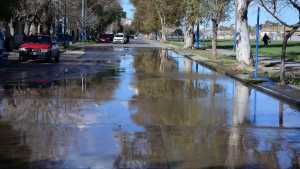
[{"x": 274, "y": 50}]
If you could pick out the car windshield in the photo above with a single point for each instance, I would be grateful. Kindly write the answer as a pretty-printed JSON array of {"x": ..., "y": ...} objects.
[
  {"x": 119, "y": 36},
  {"x": 105, "y": 36},
  {"x": 38, "y": 39}
]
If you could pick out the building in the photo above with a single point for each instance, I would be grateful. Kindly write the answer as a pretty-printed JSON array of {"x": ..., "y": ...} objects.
[{"x": 276, "y": 31}]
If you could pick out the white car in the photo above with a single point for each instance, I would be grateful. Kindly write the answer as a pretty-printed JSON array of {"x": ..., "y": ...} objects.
[{"x": 120, "y": 38}]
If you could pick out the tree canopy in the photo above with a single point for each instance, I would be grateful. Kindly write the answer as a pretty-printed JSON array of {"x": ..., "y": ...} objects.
[
  {"x": 156, "y": 15},
  {"x": 6, "y": 9}
]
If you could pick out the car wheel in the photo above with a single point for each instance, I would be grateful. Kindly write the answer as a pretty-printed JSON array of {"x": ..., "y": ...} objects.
[
  {"x": 50, "y": 57},
  {"x": 21, "y": 58}
]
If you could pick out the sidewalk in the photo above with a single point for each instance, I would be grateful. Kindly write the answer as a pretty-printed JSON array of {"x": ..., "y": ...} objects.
[{"x": 227, "y": 65}]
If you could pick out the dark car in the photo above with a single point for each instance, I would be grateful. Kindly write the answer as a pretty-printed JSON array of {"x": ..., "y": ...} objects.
[
  {"x": 64, "y": 39},
  {"x": 105, "y": 38},
  {"x": 39, "y": 47}
]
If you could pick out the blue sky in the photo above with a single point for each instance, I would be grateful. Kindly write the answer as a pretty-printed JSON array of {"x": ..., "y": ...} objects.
[
  {"x": 127, "y": 6},
  {"x": 289, "y": 15}
]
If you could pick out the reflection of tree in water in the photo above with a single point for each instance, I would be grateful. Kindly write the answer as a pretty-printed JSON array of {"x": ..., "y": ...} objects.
[
  {"x": 13, "y": 152},
  {"x": 48, "y": 115},
  {"x": 182, "y": 125},
  {"x": 140, "y": 150},
  {"x": 183, "y": 130},
  {"x": 157, "y": 80},
  {"x": 258, "y": 147},
  {"x": 153, "y": 61}
]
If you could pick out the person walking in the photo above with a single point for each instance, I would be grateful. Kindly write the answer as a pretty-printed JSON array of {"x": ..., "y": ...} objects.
[{"x": 266, "y": 40}]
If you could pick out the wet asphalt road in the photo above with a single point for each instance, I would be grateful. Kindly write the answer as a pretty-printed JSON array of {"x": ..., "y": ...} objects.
[{"x": 139, "y": 108}]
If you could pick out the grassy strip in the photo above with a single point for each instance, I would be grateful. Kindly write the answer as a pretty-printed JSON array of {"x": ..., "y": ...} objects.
[
  {"x": 273, "y": 50},
  {"x": 230, "y": 65}
]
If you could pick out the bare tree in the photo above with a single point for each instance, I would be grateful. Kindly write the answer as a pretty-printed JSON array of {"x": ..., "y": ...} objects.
[
  {"x": 218, "y": 11},
  {"x": 243, "y": 47},
  {"x": 274, "y": 7},
  {"x": 193, "y": 12},
  {"x": 168, "y": 12}
]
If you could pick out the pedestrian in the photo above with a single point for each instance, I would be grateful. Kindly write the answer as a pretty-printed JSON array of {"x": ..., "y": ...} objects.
[{"x": 266, "y": 40}]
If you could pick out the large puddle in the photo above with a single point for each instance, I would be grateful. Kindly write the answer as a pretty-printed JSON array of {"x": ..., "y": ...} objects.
[{"x": 157, "y": 110}]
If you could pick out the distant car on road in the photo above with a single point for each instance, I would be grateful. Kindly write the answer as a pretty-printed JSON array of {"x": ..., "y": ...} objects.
[
  {"x": 105, "y": 38},
  {"x": 121, "y": 38},
  {"x": 39, "y": 47}
]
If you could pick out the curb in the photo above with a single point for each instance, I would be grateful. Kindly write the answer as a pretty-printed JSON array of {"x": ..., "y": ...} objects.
[
  {"x": 277, "y": 94},
  {"x": 260, "y": 87}
]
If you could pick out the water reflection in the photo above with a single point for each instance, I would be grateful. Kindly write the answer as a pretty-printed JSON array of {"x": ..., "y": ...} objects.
[
  {"x": 163, "y": 111},
  {"x": 214, "y": 128},
  {"x": 46, "y": 117}
]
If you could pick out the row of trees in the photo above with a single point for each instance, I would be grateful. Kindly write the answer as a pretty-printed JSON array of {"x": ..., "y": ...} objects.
[
  {"x": 58, "y": 16},
  {"x": 162, "y": 14},
  {"x": 157, "y": 15}
]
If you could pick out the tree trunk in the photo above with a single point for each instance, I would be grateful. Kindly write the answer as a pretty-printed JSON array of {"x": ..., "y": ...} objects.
[
  {"x": 240, "y": 104},
  {"x": 243, "y": 50},
  {"x": 214, "y": 38},
  {"x": 11, "y": 28},
  {"x": 286, "y": 38},
  {"x": 19, "y": 27},
  {"x": 189, "y": 37},
  {"x": 163, "y": 59},
  {"x": 163, "y": 27},
  {"x": 283, "y": 56},
  {"x": 33, "y": 29},
  {"x": 239, "y": 117},
  {"x": 27, "y": 28},
  {"x": 163, "y": 33},
  {"x": 188, "y": 65}
]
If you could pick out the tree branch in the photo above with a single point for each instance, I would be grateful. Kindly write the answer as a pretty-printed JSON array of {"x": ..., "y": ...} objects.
[{"x": 276, "y": 17}]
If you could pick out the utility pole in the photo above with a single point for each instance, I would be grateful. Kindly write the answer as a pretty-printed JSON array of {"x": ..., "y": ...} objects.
[
  {"x": 257, "y": 42},
  {"x": 83, "y": 33},
  {"x": 197, "y": 45},
  {"x": 235, "y": 27},
  {"x": 65, "y": 18},
  {"x": 54, "y": 17}
]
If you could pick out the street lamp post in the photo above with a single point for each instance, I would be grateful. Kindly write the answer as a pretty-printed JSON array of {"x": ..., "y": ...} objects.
[
  {"x": 257, "y": 42},
  {"x": 83, "y": 33},
  {"x": 235, "y": 28},
  {"x": 65, "y": 18},
  {"x": 197, "y": 44}
]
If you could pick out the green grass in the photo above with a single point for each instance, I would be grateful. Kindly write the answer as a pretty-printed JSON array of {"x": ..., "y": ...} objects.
[
  {"x": 87, "y": 42},
  {"x": 175, "y": 43},
  {"x": 274, "y": 50}
]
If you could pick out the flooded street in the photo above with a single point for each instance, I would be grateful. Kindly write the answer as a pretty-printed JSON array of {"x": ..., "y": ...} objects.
[{"x": 140, "y": 108}]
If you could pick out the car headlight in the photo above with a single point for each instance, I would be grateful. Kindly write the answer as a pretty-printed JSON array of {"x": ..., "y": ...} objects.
[
  {"x": 44, "y": 50},
  {"x": 23, "y": 49}
]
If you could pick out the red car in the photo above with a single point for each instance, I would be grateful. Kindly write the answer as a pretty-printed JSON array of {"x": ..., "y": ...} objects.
[
  {"x": 39, "y": 47},
  {"x": 105, "y": 38}
]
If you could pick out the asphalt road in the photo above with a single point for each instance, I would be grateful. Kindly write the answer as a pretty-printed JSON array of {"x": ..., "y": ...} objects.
[{"x": 110, "y": 106}]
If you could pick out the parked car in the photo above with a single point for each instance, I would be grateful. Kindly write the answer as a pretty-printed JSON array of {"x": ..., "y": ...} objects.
[
  {"x": 121, "y": 38},
  {"x": 64, "y": 39},
  {"x": 105, "y": 38},
  {"x": 39, "y": 47},
  {"x": 131, "y": 36}
]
